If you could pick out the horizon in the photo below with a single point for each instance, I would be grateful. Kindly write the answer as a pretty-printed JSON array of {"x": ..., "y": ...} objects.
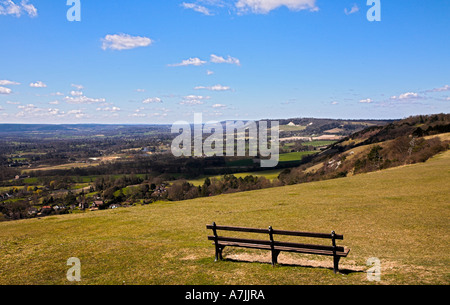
[
  {"x": 155, "y": 63},
  {"x": 221, "y": 121}
]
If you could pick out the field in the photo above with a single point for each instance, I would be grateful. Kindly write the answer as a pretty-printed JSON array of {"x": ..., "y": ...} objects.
[
  {"x": 399, "y": 215},
  {"x": 295, "y": 156},
  {"x": 268, "y": 174},
  {"x": 292, "y": 128}
]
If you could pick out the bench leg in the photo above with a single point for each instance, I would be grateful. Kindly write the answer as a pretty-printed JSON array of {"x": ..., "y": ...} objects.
[
  {"x": 336, "y": 263},
  {"x": 219, "y": 253},
  {"x": 275, "y": 254}
]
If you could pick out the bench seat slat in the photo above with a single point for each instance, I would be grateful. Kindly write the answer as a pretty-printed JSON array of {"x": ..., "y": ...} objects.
[
  {"x": 285, "y": 249},
  {"x": 276, "y": 243}
]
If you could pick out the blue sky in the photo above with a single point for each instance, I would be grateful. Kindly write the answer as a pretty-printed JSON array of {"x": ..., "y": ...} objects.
[{"x": 149, "y": 62}]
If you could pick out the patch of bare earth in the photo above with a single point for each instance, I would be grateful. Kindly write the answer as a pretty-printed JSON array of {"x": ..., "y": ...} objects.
[{"x": 286, "y": 259}]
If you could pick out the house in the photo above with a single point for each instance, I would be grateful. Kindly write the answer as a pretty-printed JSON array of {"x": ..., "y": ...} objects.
[
  {"x": 32, "y": 211},
  {"x": 96, "y": 205}
]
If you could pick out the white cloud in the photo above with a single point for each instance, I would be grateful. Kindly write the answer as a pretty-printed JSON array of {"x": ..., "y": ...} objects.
[
  {"x": 8, "y": 83},
  {"x": 441, "y": 89},
  {"x": 56, "y": 94},
  {"x": 4, "y": 90},
  {"x": 13, "y": 103},
  {"x": 353, "y": 10},
  {"x": 189, "y": 62},
  {"x": 124, "y": 42},
  {"x": 406, "y": 96},
  {"x": 9, "y": 7},
  {"x": 56, "y": 112},
  {"x": 152, "y": 100},
  {"x": 157, "y": 114},
  {"x": 38, "y": 84},
  {"x": 334, "y": 103},
  {"x": 209, "y": 72},
  {"x": 28, "y": 106},
  {"x": 213, "y": 88},
  {"x": 219, "y": 106},
  {"x": 30, "y": 110},
  {"x": 109, "y": 109},
  {"x": 83, "y": 100},
  {"x": 265, "y": 6},
  {"x": 220, "y": 60},
  {"x": 138, "y": 115},
  {"x": 30, "y": 9},
  {"x": 76, "y": 93},
  {"x": 140, "y": 90},
  {"x": 54, "y": 103},
  {"x": 79, "y": 87},
  {"x": 198, "y": 8},
  {"x": 192, "y": 100},
  {"x": 366, "y": 101},
  {"x": 79, "y": 114}
]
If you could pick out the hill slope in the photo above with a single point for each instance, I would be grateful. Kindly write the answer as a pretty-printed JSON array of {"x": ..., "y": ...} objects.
[
  {"x": 399, "y": 215},
  {"x": 407, "y": 141}
]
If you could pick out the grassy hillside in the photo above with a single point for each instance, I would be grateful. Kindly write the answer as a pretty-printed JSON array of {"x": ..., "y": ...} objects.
[{"x": 400, "y": 215}]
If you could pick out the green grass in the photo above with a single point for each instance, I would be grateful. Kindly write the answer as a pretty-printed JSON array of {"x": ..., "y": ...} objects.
[
  {"x": 88, "y": 179},
  {"x": 400, "y": 215},
  {"x": 295, "y": 156},
  {"x": 268, "y": 174},
  {"x": 78, "y": 186},
  {"x": 319, "y": 143},
  {"x": 287, "y": 157},
  {"x": 292, "y": 128},
  {"x": 31, "y": 181}
]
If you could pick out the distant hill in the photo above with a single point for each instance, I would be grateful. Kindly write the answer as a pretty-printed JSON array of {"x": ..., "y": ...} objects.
[
  {"x": 411, "y": 140},
  {"x": 313, "y": 126},
  {"x": 290, "y": 127},
  {"x": 76, "y": 130}
]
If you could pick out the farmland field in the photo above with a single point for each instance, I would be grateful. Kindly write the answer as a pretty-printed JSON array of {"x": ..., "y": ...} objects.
[
  {"x": 268, "y": 174},
  {"x": 295, "y": 156},
  {"x": 398, "y": 215}
]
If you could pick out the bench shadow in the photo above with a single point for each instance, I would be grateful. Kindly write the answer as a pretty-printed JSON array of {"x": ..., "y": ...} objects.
[{"x": 344, "y": 271}]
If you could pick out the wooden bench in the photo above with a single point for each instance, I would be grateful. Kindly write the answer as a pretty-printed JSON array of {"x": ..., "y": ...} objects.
[{"x": 276, "y": 247}]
